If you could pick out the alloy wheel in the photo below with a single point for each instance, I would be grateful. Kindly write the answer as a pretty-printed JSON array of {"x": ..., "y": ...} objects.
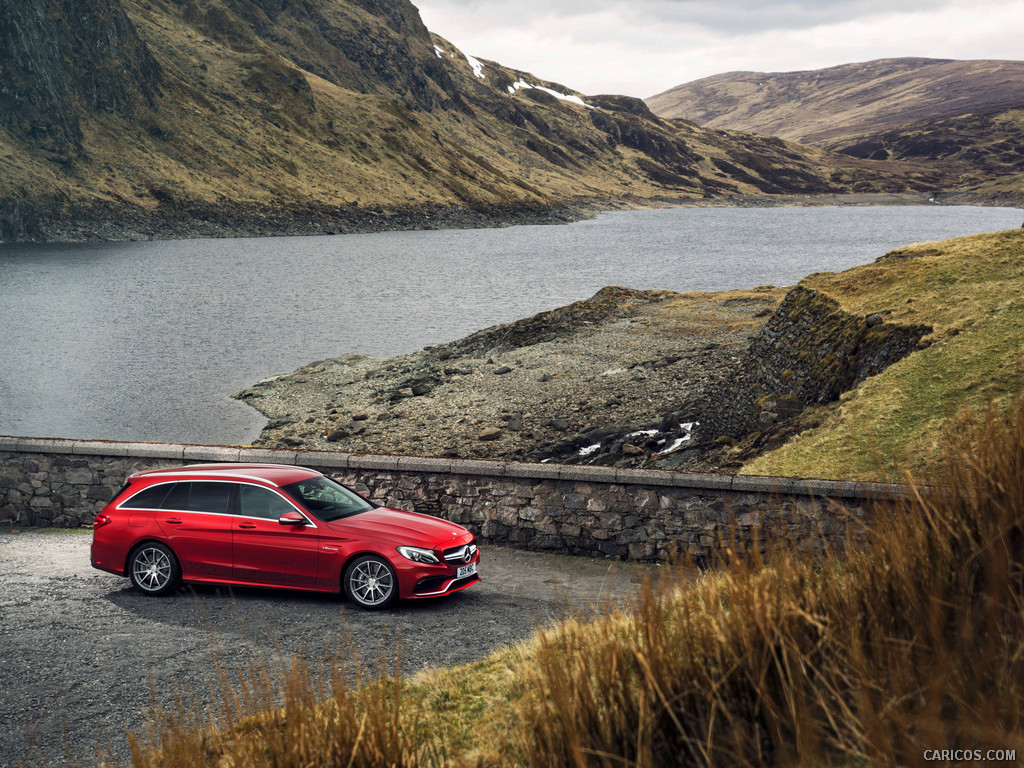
[
  {"x": 152, "y": 569},
  {"x": 371, "y": 582}
]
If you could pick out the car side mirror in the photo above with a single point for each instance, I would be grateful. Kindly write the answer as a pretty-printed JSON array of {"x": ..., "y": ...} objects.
[{"x": 291, "y": 518}]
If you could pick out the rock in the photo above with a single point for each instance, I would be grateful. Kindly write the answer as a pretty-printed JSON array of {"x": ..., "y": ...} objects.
[
  {"x": 402, "y": 393},
  {"x": 358, "y": 429},
  {"x": 560, "y": 424},
  {"x": 502, "y": 370},
  {"x": 334, "y": 435},
  {"x": 284, "y": 421},
  {"x": 515, "y": 423},
  {"x": 360, "y": 417},
  {"x": 419, "y": 389},
  {"x": 544, "y": 377},
  {"x": 632, "y": 450},
  {"x": 491, "y": 433},
  {"x": 292, "y": 440},
  {"x": 874, "y": 319}
]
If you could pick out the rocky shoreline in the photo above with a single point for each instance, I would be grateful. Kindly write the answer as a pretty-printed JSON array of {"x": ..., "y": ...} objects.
[
  {"x": 171, "y": 220},
  {"x": 636, "y": 365},
  {"x": 66, "y": 222},
  {"x": 653, "y": 379}
]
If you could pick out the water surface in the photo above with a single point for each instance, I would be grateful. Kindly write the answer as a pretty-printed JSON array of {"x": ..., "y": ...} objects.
[{"x": 146, "y": 341}]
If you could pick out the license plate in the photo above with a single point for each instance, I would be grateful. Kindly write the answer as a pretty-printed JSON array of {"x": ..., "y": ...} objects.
[{"x": 466, "y": 570}]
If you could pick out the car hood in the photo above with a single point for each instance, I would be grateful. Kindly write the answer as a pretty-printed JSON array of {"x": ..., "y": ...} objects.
[{"x": 400, "y": 527}]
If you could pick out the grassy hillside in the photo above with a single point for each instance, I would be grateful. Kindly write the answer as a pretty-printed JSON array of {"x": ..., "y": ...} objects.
[
  {"x": 969, "y": 291},
  {"x": 824, "y": 105},
  {"x": 865, "y": 658},
  {"x": 962, "y": 116},
  {"x": 335, "y": 107}
]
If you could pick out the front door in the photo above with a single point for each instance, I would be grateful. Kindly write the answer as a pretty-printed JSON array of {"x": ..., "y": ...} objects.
[{"x": 266, "y": 552}]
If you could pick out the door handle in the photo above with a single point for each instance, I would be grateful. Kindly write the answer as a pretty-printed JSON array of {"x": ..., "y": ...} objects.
[
  {"x": 247, "y": 525},
  {"x": 173, "y": 520}
]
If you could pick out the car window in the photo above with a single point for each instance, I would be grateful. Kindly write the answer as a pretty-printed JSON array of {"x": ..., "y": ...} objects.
[
  {"x": 254, "y": 501},
  {"x": 326, "y": 499},
  {"x": 178, "y": 497},
  {"x": 209, "y": 497},
  {"x": 148, "y": 498}
]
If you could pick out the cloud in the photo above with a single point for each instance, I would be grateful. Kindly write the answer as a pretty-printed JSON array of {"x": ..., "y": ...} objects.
[{"x": 642, "y": 47}]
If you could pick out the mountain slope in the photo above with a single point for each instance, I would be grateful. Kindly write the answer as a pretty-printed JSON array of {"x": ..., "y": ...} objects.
[
  {"x": 824, "y": 105},
  {"x": 154, "y": 118},
  {"x": 966, "y": 117}
]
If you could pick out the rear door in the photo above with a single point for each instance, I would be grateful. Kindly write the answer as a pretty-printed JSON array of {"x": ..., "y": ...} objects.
[
  {"x": 266, "y": 552},
  {"x": 195, "y": 518}
]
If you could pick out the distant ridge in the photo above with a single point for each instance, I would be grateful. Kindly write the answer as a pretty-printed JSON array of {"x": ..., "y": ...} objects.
[
  {"x": 821, "y": 106},
  {"x": 963, "y": 117}
]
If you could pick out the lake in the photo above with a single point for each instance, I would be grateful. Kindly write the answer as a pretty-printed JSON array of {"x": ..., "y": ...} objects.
[{"x": 147, "y": 340}]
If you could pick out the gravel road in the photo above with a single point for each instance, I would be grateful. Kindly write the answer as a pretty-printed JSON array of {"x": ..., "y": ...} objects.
[{"x": 79, "y": 649}]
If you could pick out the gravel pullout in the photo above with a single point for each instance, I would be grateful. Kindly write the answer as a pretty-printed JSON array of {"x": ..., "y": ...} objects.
[{"x": 80, "y": 648}]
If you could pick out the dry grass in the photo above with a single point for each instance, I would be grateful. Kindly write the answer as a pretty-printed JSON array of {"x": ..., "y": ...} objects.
[{"x": 914, "y": 641}]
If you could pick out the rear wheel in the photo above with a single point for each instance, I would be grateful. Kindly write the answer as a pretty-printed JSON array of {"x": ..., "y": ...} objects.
[
  {"x": 371, "y": 583},
  {"x": 154, "y": 569}
]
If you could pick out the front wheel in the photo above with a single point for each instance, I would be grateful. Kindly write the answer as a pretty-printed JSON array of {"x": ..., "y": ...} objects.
[
  {"x": 371, "y": 583},
  {"x": 154, "y": 569}
]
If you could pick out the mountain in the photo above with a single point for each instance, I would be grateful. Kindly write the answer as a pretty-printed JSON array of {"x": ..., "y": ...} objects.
[
  {"x": 142, "y": 118},
  {"x": 967, "y": 116}
]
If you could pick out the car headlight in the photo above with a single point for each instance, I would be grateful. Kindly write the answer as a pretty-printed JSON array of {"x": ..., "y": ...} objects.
[{"x": 418, "y": 555}]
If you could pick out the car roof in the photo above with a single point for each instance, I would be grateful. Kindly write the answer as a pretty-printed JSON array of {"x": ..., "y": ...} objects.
[{"x": 270, "y": 474}]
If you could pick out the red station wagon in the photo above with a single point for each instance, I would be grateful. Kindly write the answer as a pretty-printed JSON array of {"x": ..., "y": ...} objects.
[{"x": 271, "y": 525}]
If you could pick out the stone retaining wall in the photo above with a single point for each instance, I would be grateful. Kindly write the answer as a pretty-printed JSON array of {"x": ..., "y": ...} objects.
[{"x": 599, "y": 511}]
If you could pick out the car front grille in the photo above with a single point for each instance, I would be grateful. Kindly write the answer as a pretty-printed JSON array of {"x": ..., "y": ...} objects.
[{"x": 458, "y": 555}]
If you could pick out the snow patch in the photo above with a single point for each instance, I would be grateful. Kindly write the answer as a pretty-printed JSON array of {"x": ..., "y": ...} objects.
[
  {"x": 643, "y": 433},
  {"x": 439, "y": 51},
  {"x": 614, "y": 372},
  {"x": 477, "y": 65},
  {"x": 589, "y": 449},
  {"x": 562, "y": 96}
]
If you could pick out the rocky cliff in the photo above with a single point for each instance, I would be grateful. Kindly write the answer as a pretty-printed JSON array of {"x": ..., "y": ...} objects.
[
  {"x": 64, "y": 61},
  {"x": 808, "y": 353}
]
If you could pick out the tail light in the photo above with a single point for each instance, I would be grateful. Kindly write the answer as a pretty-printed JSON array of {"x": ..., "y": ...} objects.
[{"x": 100, "y": 521}]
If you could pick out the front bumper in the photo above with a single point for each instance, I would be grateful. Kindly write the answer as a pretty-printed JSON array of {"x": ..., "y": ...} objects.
[{"x": 436, "y": 586}]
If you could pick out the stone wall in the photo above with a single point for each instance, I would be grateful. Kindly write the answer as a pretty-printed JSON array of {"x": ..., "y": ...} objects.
[{"x": 599, "y": 511}]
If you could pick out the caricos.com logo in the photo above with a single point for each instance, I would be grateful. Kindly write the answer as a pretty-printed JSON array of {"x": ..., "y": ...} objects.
[{"x": 965, "y": 755}]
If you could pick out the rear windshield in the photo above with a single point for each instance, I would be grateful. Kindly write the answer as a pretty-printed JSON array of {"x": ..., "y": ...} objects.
[{"x": 327, "y": 500}]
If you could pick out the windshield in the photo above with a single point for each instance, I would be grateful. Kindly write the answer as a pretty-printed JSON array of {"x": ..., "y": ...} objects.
[{"x": 327, "y": 500}]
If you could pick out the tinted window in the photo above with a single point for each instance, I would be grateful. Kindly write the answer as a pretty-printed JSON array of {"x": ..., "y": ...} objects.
[
  {"x": 209, "y": 497},
  {"x": 149, "y": 498},
  {"x": 178, "y": 497},
  {"x": 260, "y": 502}
]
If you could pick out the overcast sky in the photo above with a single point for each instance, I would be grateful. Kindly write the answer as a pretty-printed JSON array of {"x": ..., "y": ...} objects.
[{"x": 643, "y": 47}]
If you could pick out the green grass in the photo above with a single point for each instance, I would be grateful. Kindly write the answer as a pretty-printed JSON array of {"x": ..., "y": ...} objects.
[{"x": 971, "y": 291}]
